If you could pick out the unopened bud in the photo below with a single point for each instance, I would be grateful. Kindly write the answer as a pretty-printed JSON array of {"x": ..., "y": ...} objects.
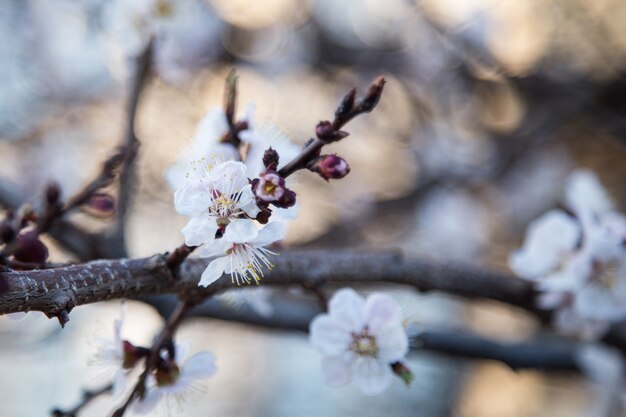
[
  {"x": 270, "y": 159},
  {"x": 373, "y": 95},
  {"x": 101, "y": 205},
  {"x": 346, "y": 104},
  {"x": 326, "y": 132},
  {"x": 30, "y": 249},
  {"x": 7, "y": 233},
  {"x": 402, "y": 371},
  {"x": 53, "y": 193},
  {"x": 329, "y": 167}
]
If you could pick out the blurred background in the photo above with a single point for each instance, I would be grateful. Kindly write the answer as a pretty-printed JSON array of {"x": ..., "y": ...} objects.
[{"x": 489, "y": 105}]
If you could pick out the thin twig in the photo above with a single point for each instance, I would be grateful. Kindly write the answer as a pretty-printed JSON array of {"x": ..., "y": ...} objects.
[{"x": 88, "y": 396}]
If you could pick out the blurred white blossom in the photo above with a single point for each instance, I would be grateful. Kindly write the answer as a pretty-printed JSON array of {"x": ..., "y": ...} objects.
[
  {"x": 578, "y": 259},
  {"x": 360, "y": 339}
]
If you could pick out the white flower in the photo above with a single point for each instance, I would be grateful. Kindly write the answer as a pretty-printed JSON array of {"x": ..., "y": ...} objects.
[
  {"x": 243, "y": 253},
  {"x": 179, "y": 382},
  {"x": 112, "y": 355},
  {"x": 361, "y": 339},
  {"x": 578, "y": 263},
  {"x": 256, "y": 298},
  {"x": 220, "y": 198},
  {"x": 182, "y": 32},
  {"x": 205, "y": 146}
]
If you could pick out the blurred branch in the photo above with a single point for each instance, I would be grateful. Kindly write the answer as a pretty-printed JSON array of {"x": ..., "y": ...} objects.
[
  {"x": 290, "y": 313},
  {"x": 88, "y": 396},
  {"x": 130, "y": 147}
]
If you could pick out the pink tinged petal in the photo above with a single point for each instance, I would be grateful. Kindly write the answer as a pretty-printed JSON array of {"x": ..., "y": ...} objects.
[
  {"x": 372, "y": 377},
  {"x": 338, "y": 370},
  {"x": 192, "y": 199},
  {"x": 148, "y": 403},
  {"x": 214, "y": 271},
  {"x": 382, "y": 311},
  {"x": 241, "y": 231},
  {"x": 119, "y": 383},
  {"x": 200, "y": 365},
  {"x": 548, "y": 240},
  {"x": 272, "y": 232},
  {"x": 393, "y": 344},
  {"x": 348, "y": 308},
  {"x": 328, "y": 336},
  {"x": 200, "y": 229}
]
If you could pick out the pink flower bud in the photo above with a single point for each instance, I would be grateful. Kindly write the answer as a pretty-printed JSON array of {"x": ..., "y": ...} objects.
[
  {"x": 330, "y": 166},
  {"x": 270, "y": 187}
]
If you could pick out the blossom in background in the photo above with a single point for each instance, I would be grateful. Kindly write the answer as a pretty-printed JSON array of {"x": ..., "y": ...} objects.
[
  {"x": 578, "y": 261},
  {"x": 117, "y": 355},
  {"x": 176, "y": 382},
  {"x": 183, "y": 32},
  {"x": 360, "y": 339},
  {"x": 256, "y": 298}
]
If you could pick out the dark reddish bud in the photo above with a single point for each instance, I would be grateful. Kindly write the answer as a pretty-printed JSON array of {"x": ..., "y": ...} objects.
[
  {"x": 264, "y": 215},
  {"x": 26, "y": 215},
  {"x": 53, "y": 194},
  {"x": 7, "y": 233},
  {"x": 402, "y": 371},
  {"x": 346, "y": 104},
  {"x": 373, "y": 95},
  {"x": 270, "y": 159},
  {"x": 101, "y": 205},
  {"x": 230, "y": 96},
  {"x": 132, "y": 354},
  {"x": 28, "y": 248},
  {"x": 288, "y": 200},
  {"x": 326, "y": 132},
  {"x": 329, "y": 166}
]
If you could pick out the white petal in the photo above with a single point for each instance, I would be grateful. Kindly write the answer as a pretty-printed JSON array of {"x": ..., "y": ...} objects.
[
  {"x": 200, "y": 365},
  {"x": 381, "y": 311},
  {"x": 372, "y": 377},
  {"x": 241, "y": 231},
  {"x": 200, "y": 229},
  {"x": 215, "y": 248},
  {"x": 595, "y": 302},
  {"x": 229, "y": 176},
  {"x": 248, "y": 202},
  {"x": 585, "y": 195},
  {"x": 191, "y": 199},
  {"x": 348, "y": 308},
  {"x": 214, "y": 271},
  {"x": 270, "y": 233},
  {"x": 148, "y": 403},
  {"x": 330, "y": 337},
  {"x": 210, "y": 129},
  {"x": 548, "y": 240},
  {"x": 338, "y": 370},
  {"x": 119, "y": 383},
  {"x": 393, "y": 344}
]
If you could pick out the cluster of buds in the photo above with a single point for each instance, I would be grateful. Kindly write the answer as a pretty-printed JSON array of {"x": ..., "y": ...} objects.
[{"x": 20, "y": 236}]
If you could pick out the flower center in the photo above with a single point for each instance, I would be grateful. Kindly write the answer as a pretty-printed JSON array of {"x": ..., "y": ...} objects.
[
  {"x": 364, "y": 344},
  {"x": 163, "y": 8},
  {"x": 605, "y": 273}
]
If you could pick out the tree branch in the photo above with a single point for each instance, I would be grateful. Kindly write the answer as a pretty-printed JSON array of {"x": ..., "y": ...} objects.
[{"x": 55, "y": 290}]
